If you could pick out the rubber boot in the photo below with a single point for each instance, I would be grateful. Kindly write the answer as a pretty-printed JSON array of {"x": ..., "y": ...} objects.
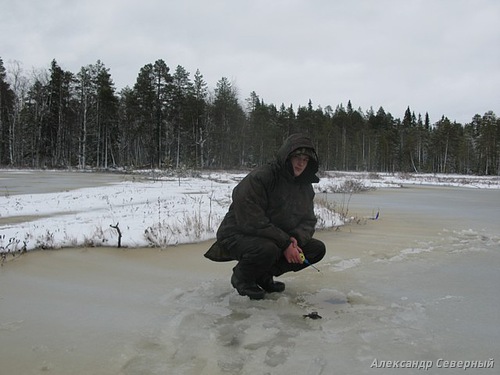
[
  {"x": 246, "y": 288},
  {"x": 270, "y": 286}
]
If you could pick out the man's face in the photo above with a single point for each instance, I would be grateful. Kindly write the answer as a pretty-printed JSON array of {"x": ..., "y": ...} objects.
[{"x": 299, "y": 164}]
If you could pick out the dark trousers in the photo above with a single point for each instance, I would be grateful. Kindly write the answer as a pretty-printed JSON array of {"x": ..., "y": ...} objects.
[{"x": 260, "y": 257}]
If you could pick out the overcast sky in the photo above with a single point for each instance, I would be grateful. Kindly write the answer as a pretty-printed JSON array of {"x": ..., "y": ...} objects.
[{"x": 436, "y": 56}]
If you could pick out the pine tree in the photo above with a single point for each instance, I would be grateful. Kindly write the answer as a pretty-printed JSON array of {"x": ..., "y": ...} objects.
[
  {"x": 152, "y": 93},
  {"x": 199, "y": 118},
  {"x": 6, "y": 119},
  {"x": 228, "y": 122},
  {"x": 55, "y": 130},
  {"x": 182, "y": 92},
  {"x": 107, "y": 109}
]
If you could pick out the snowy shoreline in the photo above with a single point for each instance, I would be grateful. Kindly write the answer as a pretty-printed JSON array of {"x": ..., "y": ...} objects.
[{"x": 154, "y": 210}]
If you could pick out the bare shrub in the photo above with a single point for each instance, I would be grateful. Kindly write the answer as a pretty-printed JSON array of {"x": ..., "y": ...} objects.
[
  {"x": 352, "y": 186},
  {"x": 159, "y": 235},
  {"x": 46, "y": 241},
  {"x": 12, "y": 247}
]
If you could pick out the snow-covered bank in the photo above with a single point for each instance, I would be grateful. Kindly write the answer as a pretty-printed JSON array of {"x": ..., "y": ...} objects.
[
  {"x": 384, "y": 180},
  {"x": 158, "y": 211}
]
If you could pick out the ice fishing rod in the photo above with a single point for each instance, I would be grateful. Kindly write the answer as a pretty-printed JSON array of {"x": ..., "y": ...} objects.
[{"x": 304, "y": 260}]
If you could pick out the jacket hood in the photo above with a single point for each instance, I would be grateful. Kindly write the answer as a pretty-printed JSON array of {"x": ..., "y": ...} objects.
[{"x": 292, "y": 143}]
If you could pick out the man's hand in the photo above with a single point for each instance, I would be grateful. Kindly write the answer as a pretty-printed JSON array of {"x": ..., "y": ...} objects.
[{"x": 292, "y": 252}]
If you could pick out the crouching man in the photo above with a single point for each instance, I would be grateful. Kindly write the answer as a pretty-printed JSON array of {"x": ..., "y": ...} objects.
[{"x": 270, "y": 223}]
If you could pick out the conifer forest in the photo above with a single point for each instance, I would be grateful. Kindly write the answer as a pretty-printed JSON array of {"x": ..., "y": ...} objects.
[{"x": 170, "y": 119}]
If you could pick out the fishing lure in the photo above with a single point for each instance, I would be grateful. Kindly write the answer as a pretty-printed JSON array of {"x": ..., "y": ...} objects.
[{"x": 313, "y": 315}]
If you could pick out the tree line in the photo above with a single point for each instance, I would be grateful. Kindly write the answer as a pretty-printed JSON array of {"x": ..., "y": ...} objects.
[{"x": 168, "y": 119}]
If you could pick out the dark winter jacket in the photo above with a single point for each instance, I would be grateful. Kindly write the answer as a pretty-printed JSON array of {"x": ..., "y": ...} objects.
[{"x": 270, "y": 202}]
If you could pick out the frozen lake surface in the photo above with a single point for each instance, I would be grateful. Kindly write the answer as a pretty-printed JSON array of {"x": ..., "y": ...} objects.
[
  {"x": 13, "y": 182},
  {"x": 417, "y": 287}
]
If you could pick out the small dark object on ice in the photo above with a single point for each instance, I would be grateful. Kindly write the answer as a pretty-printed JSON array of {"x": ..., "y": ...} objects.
[{"x": 314, "y": 315}]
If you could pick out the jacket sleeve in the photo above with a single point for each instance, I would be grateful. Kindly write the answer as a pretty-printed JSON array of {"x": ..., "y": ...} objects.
[
  {"x": 250, "y": 200},
  {"x": 306, "y": 228}
]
